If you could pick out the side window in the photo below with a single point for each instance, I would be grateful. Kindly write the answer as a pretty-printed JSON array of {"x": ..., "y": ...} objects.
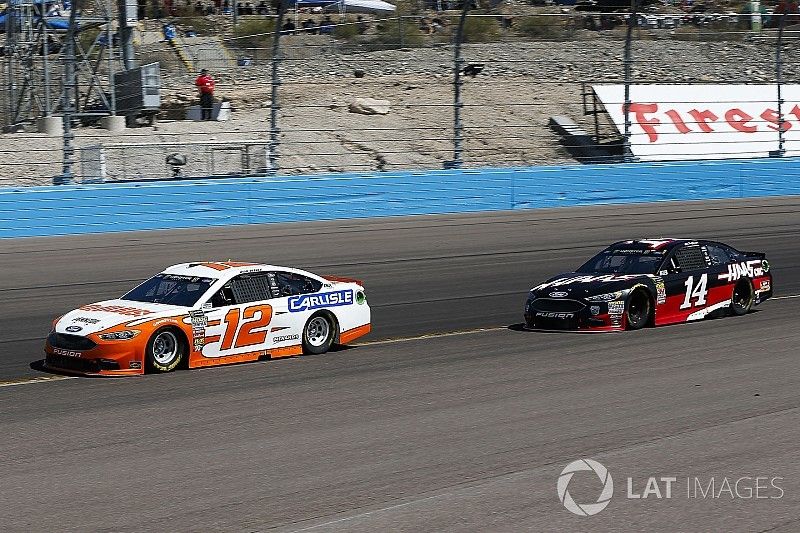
[
  {"x": 250, "y": 288},
  {"x": 690, "y": 257},
  {"x": 670, "y": 265},
  {"x": 291, "y": 284},
  {"x": 242, "y": 289},
  {"x": 718, "y": 255},
  {"x": 223, "y": 297}
]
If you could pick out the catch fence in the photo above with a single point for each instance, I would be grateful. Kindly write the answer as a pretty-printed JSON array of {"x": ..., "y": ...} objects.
[{"x": 430, "y": 90}]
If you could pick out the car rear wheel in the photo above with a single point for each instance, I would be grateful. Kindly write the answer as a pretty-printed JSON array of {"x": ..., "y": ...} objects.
[
  {"x": 165, "y": 350},
  {"x": 638, "y": 310},
  {"x": 318, "y": 334},
  {"x": 742, "y": 298}
]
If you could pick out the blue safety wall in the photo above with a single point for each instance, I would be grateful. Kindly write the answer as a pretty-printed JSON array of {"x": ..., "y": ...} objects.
[{"x": 39, "y": 211}]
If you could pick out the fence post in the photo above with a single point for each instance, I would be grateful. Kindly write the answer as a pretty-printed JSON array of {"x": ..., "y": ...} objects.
[
  {"x": 70, "y": 98},
  {"x": 458, "y": 62},
  {"x": 779, "y": 82},
  {"x": 125, "y": 8},
  {"x": 110, "y": 57},
  {"x": 274, "y": 106},
  {"x": 627, "y": 154},
  {"x": 400, "y": 32}
]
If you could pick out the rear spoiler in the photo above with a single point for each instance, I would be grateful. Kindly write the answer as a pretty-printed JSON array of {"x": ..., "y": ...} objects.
[
  {"x": 340, "y": 279},
  {"x": 760, "y": 255}
]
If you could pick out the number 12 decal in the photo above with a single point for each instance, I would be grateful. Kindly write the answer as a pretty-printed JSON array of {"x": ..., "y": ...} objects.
[
  {"x": 699, "y": 291},
  {"x": 246, "y": 336}
]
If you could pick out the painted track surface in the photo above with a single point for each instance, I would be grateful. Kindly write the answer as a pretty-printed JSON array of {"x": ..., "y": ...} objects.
[{"x": 462, "y": 432}]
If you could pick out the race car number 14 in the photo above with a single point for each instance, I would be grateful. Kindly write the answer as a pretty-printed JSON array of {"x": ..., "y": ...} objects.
[{"x": 699, "y": 292}]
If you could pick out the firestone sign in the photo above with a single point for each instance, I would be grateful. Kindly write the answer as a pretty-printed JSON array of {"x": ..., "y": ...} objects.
[{"x": 674, "y": 122}]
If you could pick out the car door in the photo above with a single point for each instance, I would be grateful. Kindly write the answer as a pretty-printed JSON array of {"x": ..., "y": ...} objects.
[
  {"x": 290, "y": 311},
  {"x": 685, "y": 274},
  {"x": 240, "y": 317}
]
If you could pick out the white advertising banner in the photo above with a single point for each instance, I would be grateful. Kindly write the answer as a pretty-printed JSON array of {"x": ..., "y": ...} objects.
[{"x": 676, "y": 122}]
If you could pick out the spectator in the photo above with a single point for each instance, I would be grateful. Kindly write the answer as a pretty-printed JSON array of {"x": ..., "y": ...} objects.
[
  {"x": 198, "y": 8},
  {"x": 288, "y": 28},
  {"x": 326, "y": 26},
  {"x": 205, "y": 85},
  {"x": 425, "y": 26},
  {"x": 309, "y": 26},
  {"x": 361, "y": 25},
  {"x": 262, "y": 8}
]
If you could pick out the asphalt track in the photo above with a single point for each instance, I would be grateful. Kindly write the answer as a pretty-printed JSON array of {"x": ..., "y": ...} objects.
[{"x": 463, "y": 432}]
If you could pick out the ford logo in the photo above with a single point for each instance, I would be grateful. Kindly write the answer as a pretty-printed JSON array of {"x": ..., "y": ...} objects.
[
  {"x": 73, "y": 329},
  {"x": 557, "y": 294}
]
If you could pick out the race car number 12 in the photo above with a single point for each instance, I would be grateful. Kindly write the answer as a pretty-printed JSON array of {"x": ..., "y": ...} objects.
[
  {"x": 699, "y": 292},
  {"x": 239, "y": 337}
]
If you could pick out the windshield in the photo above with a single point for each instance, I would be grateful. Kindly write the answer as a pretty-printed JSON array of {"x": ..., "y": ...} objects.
[
  {"x": 620, "y": 262},
  {"x": 170, "y": 289}
]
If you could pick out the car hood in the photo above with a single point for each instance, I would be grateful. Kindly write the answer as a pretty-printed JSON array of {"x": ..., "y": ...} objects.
[
  {"x": 100, "y": 316},
  {"x": 576, "y": 285}
]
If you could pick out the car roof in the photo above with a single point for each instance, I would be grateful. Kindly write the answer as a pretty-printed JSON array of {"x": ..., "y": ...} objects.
[
  {"x": 223, "y": 269},
  {"x": 659, "y": 243}
]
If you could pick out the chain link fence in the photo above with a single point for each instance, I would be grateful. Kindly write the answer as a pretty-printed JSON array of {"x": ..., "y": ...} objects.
[{"x": 510, "y": 85}]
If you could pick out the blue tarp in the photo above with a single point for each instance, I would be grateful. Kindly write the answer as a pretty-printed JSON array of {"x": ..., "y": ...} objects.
[{"x": 54, "y": 23}]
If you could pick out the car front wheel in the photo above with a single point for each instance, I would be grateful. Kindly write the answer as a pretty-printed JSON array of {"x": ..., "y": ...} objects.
[
  {"x": 165, "y": 350},
  {"x": 638, "y": 310}
]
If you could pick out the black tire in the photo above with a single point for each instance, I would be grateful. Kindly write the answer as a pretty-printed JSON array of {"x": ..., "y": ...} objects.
[
  {"x": 638, "y": 309},
  {"x": 742, "y": 298},
  {"x": 165, "y": 350},
  {"x": 319, "y": 334}
]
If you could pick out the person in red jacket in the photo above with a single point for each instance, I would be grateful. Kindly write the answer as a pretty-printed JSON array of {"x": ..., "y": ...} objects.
[{"x": 205, "y": 84}]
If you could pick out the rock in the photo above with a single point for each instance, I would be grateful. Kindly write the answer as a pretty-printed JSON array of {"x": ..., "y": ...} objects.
[{"x": 369, "y": 106}]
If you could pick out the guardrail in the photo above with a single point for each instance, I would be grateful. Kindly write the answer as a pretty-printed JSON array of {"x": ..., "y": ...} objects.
[
  {"x": 162, "y": 160},
  {"x": 41, "y": 211}
]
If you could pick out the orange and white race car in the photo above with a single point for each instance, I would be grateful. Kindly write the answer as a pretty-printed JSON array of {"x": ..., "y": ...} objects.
[{"x": 206, "y": 314}]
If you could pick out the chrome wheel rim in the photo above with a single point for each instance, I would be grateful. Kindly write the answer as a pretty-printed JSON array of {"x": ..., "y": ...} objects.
[
  {"x": 318, "y": 331},
  {"x": 165, "y": 347}
]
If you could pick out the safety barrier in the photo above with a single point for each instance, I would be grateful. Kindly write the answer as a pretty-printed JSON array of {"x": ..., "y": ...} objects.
[{"x": 41, "y": 211}]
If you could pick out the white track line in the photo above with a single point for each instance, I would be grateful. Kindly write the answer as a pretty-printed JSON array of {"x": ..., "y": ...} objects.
[
  {"x": 31, "y": 381},
  {"x": 430, "y": 336},
  {"x": 47, "y": 379}
]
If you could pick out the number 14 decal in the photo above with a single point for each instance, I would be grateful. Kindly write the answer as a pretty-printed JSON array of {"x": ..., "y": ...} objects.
[{"x": 699, "y": 291}]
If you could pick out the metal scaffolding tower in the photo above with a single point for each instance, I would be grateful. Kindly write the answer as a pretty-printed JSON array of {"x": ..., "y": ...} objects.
[{"x": 35, "y": 60}]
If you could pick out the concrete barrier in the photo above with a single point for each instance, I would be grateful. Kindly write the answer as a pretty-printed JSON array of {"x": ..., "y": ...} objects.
[{"x": 40, "y": 211}]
